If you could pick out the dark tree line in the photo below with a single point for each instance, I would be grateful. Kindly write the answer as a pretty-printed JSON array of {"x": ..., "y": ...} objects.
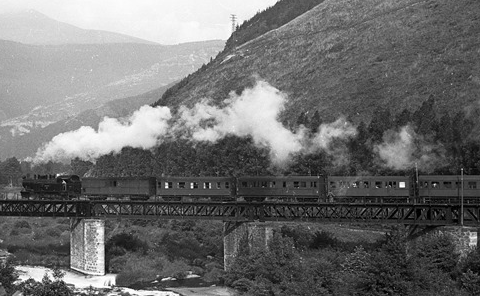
[{"x": 319, "y": 264}]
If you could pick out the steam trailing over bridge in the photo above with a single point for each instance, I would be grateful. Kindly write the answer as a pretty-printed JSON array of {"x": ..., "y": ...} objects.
[{"x": 254, "y": 113}]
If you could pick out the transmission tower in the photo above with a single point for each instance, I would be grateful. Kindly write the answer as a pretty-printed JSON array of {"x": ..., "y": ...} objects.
[{"x": 233, "y": 17}]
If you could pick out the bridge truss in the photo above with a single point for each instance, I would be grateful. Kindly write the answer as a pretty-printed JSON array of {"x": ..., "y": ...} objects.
[{"x": 408, "y": 214}]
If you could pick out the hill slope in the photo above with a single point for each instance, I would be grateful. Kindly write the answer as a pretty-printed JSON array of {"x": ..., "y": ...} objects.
[
  {"x": 347, "y": 57},
  {"x": 33, "y": 27},
  {"x": 67, "y": 79}
]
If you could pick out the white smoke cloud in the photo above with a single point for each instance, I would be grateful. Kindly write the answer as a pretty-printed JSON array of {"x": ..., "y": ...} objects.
[
  {"x": 253, "y": 113},
  {"x": 330, "y": 138},
  {"x": 402, "y": 150},
  {"x": 327, "y": 132},
  {"x": 141, "y": 130}
]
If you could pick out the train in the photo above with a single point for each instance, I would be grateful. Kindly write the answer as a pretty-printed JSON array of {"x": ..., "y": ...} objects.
[{"x": 381, "y": 189}]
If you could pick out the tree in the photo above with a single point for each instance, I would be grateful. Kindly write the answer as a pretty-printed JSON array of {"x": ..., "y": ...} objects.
[
  {"x": 8, "y": 276},
  {"x": 10, "y": 171},
  {"x": 315, "y": 122},
  {"x": 381, "y": 122},
  {"x": 425, "y": 117},
  {"x": 80, "y": 167},
  {"x": 47, "y": 287}
]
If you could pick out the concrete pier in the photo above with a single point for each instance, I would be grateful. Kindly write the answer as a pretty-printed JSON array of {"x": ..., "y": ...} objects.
[
  {"x": 87, "y": 246},
  {"x": 253, "y": 235}
]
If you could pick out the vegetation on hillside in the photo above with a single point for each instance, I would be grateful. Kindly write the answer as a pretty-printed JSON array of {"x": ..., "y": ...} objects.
[
  {"x": 324, "y": 265},
  {"x": 347, "y": 57},
  {"x": 269, "y": 19}
]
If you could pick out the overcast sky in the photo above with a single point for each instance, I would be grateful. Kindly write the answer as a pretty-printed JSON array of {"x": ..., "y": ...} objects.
[{"x": 162, "y": 21}]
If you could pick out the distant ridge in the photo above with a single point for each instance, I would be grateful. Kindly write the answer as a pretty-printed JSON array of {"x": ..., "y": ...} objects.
[{"x": 33, "y": 27}]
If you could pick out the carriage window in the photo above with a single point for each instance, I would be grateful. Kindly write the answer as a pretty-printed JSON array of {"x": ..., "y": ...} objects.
[
  {"x": 272, "y": 184},
  {"x": 244, "y": 184},
  {"x": 343, "y": 184},
  {"x": 168, "y": 185},
  {"x": 391, "y": 184},
  {"x": 284, "y": 184},
  {"x": 194, "y": 185},
  {"x": 296, "y": 184},
  {"x": 402, "y": 185},
  {"x": 303, "y": 184},
  {"x": 333, "y": 185},
  {"x": 112, "y": 183},
  {"x": 378, "y": 184},
  {"x": 181, "y": 185},
  {"x": 356, "y": 184},
  {"x": 313, "y": 184},
  {"x": 447, "y": 184},
  {"x": 227, "y": 185},
  {"x": 458, "y": 184},
  {"x": 366, "y": 184},
  {"x": 435, "y": 184},
  {"x": 264, "y": 184},
  {"x": 472, "y": 185},
  {"x": 219, "y": 185},
  {"x": 207, "y": 185},
  {"x": 424, "y": 185}
]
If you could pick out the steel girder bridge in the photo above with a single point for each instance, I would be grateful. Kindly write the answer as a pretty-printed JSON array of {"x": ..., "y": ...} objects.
[{"x": 407, "y": 214}]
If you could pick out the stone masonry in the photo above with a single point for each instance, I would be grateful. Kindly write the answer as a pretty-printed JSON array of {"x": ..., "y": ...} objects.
[
  {"x": 87, "y": 246},
  {"x": 254, "y": 235}
]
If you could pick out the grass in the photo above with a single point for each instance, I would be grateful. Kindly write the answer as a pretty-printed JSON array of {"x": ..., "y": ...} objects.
[{"x": 348, "y": 56}]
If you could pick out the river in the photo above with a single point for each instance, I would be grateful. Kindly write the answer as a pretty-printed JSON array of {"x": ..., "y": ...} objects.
[{"x": 106, "y": 283}]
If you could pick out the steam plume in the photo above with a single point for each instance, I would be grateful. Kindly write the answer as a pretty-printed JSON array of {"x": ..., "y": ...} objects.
[
  {"x": 142, "y": 130},
  {"x": 254, "y": 113},
  {"x": 401, "y": 150}
]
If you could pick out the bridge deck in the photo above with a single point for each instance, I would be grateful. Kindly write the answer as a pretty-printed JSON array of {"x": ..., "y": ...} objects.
[{"x": 412, "y": 214}]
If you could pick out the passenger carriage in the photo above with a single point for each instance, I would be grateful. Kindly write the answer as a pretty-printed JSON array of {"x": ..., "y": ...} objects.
[
  {"x": 448, "y": 188},
  {"x": 282, "y": 188},
  {"x": 133, "y": 188},
  {"x": 196, "y": 188},
  {"x": 369, "y": 188}
]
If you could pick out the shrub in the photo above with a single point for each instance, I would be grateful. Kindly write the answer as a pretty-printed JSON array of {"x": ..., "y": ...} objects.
[
  {"x": 22, "y": 224},
  {"x": 53, "y": 232}
]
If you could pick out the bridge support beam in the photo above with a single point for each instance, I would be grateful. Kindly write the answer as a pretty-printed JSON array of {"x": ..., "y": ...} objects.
[
  {"x": 87, "y": 246},
  {"x": 465, "y": 238},
  {"x": 236, "y": 235}
]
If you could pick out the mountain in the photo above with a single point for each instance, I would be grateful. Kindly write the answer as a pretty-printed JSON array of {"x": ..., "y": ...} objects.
[
  {"x": 48, "y": 84},
  {"x": 54, "y": 82},
  {"x": 348, "y": 57},
  {"x": 28, "y": 136},
  {"x": 33, "y": 27},
  {"x": 54, "y": 75}
]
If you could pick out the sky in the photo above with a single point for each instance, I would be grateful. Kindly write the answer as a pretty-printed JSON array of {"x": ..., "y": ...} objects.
[{"x": 161, "y": 21}]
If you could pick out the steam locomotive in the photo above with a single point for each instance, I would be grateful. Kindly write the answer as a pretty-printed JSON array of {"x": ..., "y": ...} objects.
[{"x": 385, "y": 189}]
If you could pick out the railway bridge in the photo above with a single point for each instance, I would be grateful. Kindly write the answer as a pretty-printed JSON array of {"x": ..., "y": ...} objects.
[{"x": 241, "y": 219}]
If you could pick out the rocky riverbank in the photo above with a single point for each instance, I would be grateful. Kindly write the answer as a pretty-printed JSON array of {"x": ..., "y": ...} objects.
[{"x": 105, "y": 285}]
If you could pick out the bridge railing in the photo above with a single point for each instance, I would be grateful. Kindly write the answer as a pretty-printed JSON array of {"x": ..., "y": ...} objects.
[{"x": 401, "y": 213}]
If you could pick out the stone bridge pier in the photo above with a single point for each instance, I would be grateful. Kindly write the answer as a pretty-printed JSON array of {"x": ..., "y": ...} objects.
[
  {"x": 253, "y": 235},
  {"x": 465, "y": 238},
  {"x": 87, "y": 246}
]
